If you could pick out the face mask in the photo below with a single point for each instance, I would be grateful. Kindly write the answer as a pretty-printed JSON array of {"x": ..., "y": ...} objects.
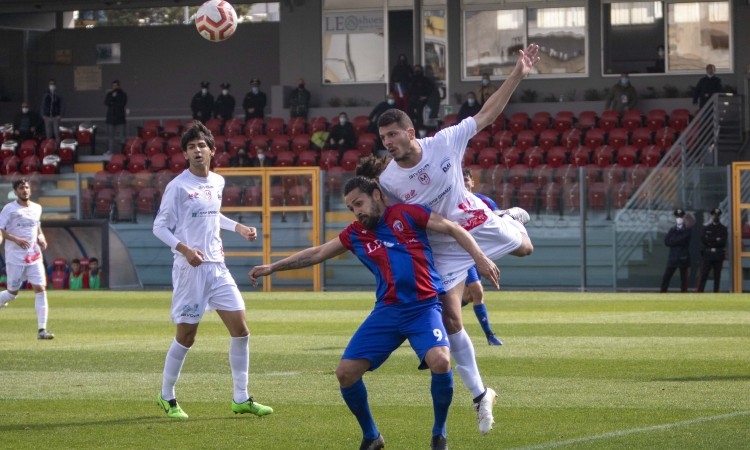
[
  {"x": 471, "y": 101},
  {"x": 254, "y": 90},
  {"x": 680, "y": 221},
  {"x": 24, "y": 110},
  {"x": 485, "y": 82},
  {"x": 204, "y": 91},
  {"x": 342, "y": 120},
  {"x": 661, "y": 53},
  {"x": 624, "y": 81},
  {"x": 391, "y": 101},
  {"x": 710, "y": 75},
  {"x": 224, "y": 92},
  {"x": 261, "y": 156},
  {"x": 52, "y": 88}
]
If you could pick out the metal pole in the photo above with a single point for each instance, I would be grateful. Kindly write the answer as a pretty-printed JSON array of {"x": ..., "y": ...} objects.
[{"x": 582, "y": 213}]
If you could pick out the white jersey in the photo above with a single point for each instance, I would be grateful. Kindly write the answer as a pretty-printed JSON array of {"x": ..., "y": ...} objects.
[
  {"x": 189, "y": 213},
  {"x": 23, "y": 222},
  {"x": 437, "y": 180}
]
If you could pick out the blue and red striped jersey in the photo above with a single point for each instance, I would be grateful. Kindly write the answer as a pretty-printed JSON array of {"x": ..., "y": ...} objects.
[
  {"x": 488, "y": 201},
  {"x": 398, "y": 253}
]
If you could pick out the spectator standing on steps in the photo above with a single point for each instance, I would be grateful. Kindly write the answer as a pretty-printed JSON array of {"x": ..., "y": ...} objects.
[{"x": 115, "y": 100}]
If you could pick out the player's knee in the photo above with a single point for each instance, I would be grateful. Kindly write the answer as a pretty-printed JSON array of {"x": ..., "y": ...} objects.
[
  {"x": 439, "y": 360},
  {"x": 346, "y": 375},
  {"x": 525, "y": 249}
]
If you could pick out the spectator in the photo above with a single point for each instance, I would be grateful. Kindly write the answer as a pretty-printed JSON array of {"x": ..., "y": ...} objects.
[
  {"x": 380, "y": 108},
  {"x": 52, "y": 111},
  {"x": 714, "y": 239},
  {"x": 623, "y": 96},
  {"x": 26, "y": 124},
  {"x": 262, "y": 158},
  {"x": 342, "y": 136},
  {"x": 707, "y": 86},
  {"x": 678, "y": 241},
  {"x": 93, "y": 277},
  {"x": 421, "y": 89},
  {"x": 299, "y": 100},
  {"x": 240, "y": 159},
  {"x": 224, "y": 104},
  {"x": 470, "y": 107},
  {"x": 658, "y": 66},
  {"x": 254, "y": 103},
  {"x": 116, "y": 100},
  {"x": 485, "y": 89},
  {"x": 401, "y": 76},
  {"x": 74, "y": 280},
  {"x": 202, "y": 104}
]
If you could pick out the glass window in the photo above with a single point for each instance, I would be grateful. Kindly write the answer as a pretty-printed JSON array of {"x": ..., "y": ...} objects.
[
  {"x": 493, "y": 37},
  {"x": 353, "y": 46},
  {"x": 171, "y": 15},
  {"x": 699, "y": 34},
  {"x": 633, "y": 37}
]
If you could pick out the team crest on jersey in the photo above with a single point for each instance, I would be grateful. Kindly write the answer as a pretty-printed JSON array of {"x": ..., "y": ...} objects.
[
  {"x": 424, "y": 178},
  {"x": 397, "y": 225},
  {"x": 445, "y": 164},
  {"x": 207, "y": 194}
]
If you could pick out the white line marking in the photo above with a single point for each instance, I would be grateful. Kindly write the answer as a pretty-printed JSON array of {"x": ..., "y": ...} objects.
[{"x": 615, "y": 434}]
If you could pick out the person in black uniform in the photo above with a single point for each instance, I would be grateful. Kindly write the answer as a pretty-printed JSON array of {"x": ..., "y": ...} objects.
[
  {"x": 202, "y": 104},
  {"x": 707, "y": 86},
  {"x": 714, "y": 239},
  {"x": 678, "y": 241},
  {"x": 254, "y": 102},
  {"x": 224, "y": 104}
]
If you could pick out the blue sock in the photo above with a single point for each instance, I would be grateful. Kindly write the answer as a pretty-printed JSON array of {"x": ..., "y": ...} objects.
[
  {"x": 442, "y": 396},
  {"x": 484, "y": 321},
  {"x": 355, "y": 397}
]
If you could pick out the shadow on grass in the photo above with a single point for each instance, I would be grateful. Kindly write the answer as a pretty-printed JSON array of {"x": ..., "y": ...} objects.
[
  {"x": 708, "y": 378},
  {"x": 112, "y": 422}
]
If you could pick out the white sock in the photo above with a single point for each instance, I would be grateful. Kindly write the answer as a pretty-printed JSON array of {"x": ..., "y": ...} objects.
[
  {"x": 462, "y": 351},
  {"x": 172, "y": 368},
  {"x": 239, "y": 362},
  {"x": 40, "y": 302},
  {"x": 6, "y": 297}
]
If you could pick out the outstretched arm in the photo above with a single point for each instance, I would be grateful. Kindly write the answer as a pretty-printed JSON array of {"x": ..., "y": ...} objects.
[
  {"x": 497, "y": 101},
  {"x": 485, "y": 266},
  {"x": 305, "y": 258}
]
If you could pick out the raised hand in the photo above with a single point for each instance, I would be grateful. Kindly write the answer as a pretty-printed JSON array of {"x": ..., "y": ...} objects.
[{"x": 527, "y": 59}]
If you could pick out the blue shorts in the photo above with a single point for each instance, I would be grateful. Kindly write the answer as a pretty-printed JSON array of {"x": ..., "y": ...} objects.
[
  {"x": 472, "y": 275},
  {"x": 387, "y": 327}
]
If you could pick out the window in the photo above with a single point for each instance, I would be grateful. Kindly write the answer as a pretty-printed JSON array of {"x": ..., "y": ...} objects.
[
  {"x": 353, "y": 46},
  {"x": 699, "y": 34},
  {"x": 493, "y": 37}
]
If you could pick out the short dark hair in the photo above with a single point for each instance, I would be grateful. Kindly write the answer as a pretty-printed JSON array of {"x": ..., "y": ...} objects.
[
  {"x": 17, "y": 183},
  {"x": 395, "y": 115},
  {"x": 467, "y": 173},
  {"x": 197, "y": 130},
  {"x": 364, "y": 184},
  {"x": 92, "y": 260},
  {"x": 75, "y": 261}
]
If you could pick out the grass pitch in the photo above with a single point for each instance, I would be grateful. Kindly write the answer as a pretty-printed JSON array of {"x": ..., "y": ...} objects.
[{"x": 582, "y": 371}]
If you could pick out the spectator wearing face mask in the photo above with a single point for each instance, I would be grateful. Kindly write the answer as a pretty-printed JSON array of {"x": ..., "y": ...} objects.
[
  {"x": 485, "y": 89},
  {"x": 342, "y": 136},
  {"x": 262, "y": 159},
  {"x": 299, "y": 100},
  {"x": 224, "y": 104},
  {"x": 202, "y": 104},
  {"x": 254, "y": 103},
  {"x": 421, "y": 89},
  {"x": 678, "y": 241},
  {"x": 714, "y": 239},
  {"x": 52, "y": 111},
  {"x": 26, "y": 124},
  {"x": 380, "y": 108},
  {"x": 707, "y": 86},
  {"x": 622, "y": 96},
  {"x": 470, "y": 107}
]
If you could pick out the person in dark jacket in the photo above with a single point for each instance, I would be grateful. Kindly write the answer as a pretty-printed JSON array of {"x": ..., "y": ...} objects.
[
  {"x": 254, "y": 103},
  {"x": 299, "y": 100},
  {"x": 380, "y": 108},
  {"x": 714, "y": 239},
  {"x": 707, "y": 86},
  {"x": 224, "y": 104},
  {"x": 115, "y": 100},
  {"x": 52, "y": 111},
  {"x": 202, "y": 104},
  {"x": 26, "y": 124},
  {"x": 470, "y": 107},
  {"x": 421, "y": 89},
  {"x": 342, "y": 137},
  {"x": 678, "y": 241}
]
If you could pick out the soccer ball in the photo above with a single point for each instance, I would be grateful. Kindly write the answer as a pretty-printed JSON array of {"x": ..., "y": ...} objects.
[{"x": 216, "y": 20}]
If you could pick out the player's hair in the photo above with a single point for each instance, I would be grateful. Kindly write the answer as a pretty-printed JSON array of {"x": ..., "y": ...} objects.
[
  {"x": 18, "y": 182},
  {"x": 467, "y": 173},
  {"x": 75, "y": 261},
  {"x": 395, "y": 115},
  {"x": 364, "y": 184},
  {"x": 197, "y": 130},
  {"x": 91, "y": 260},
  {"x": 371, "y": 166}
]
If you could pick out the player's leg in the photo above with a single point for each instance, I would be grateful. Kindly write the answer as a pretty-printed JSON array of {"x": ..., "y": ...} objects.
[
  {"x": 480, "y": 310},
  {"x": 173, "y": 362},
  {"x": 14, "y": 273},
  {"x": 35, "y": 275}
]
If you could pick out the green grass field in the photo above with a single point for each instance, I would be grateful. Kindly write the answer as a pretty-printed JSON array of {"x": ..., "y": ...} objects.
[{"x": 586, "y": 371}]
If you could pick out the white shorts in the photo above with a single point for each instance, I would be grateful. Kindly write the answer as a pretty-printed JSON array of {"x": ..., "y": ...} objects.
[
  {"x": 497, "y": 237},
  {"x": 208, "y": 286},
  {"x": 33, "y": 273}
]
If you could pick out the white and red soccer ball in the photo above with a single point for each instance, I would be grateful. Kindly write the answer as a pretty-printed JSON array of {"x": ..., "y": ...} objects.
[{"x": 216, "y": 20}]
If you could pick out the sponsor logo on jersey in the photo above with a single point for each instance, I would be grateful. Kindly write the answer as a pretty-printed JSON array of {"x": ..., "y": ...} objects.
[
  {"x": 193, "y": 195},
  {"x": 424, "y": 178},
  {"x": 207, "y": 194},
  {"x": 204, "y": 213},
  {"x": 445, "y": 164},
  {"x": 397, "y": 225},
  {"x": 190, "y": 311},
  {"x": 377, "y": 244},
  {"x": 419, "y": 171},
  {"x": 410, "y": 195}
]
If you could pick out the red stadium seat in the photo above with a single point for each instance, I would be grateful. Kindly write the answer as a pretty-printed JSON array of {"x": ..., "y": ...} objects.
[
  {"x": 627, "y": 156},
  {"x": 563, "y": 120},
  {"x": 571, "y": 139},
  {"x": 557, "y": 156},
  {"x": 632, "y": 119},
  {"x": 307, "y": 158},
  {"x": 116, "y": 163},
  {"x": 651, "y": 155},
  {"x": 286, "y": 158},
  {"x": 679, "y": 119},
  {"x": 296, "y": 125},
  {"x": 27, "y": 148},
  {"x": 279, "y": 143},
  {"x": 621, "y": 193},
  {"x": 233, "y": 127},
  {"x": 618, "y": 137},
  {"x": 655, "y": 119},
  {"x": 350, "y": 159},
  {"x": 604, "y": 155},
  {"x": 541, "y": 175},
  {"x": 540, "y": 121},
  {"x": 255, "y": 127},
  {"x": 155, "y": 145},
  {"x": 147, "y": 201},
  {"x": 641, "y": 137},
  {"x": 222, "y": 160},
  {"x": 300, "y": 142},
  {"x": 275, "y": 126},
  {"x": 527, "y": 196},
  {"x": 510, "y": 157},
  {"x": 231, "y": 196},
  {"x": 502, "y": 139},
  {"x": 329, "y": 158},
  {"x": 171, "y": 128},
  {"x": 518, "y": 122},
  {"x": 366, "y": 143},
  {"x": 133, "y": 145},
  {"x": 150, "y": 129},
  {"x": 125, "y": 205},
  {"x": 360, "y": 124},
  {"x": 586, "y": 120},
  {"x": 518, "y": 175},
  {"x": 480, "y": 140},
  {"x": 533, "y": 157},
  {"x": 158, "y": 162},
  {"x": 609, "y": 119},
  {"x": 598, "y": 195},
  {"x": 486, "y": 157},
  {"x": 664, "y": 137},
  {"x": 137, "y": 163},
  {"x": 103, "y": 203},
  {"x": 549, "y": 138},
  {"x": 525, "y": 139},
  {"x": 581, "y": 156},
  {"x": 177, "y": 163},
  {"x": 594, "y": 138},
  {"x": 30, "y": 164},
  {"x": 550, "y": 198}
]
